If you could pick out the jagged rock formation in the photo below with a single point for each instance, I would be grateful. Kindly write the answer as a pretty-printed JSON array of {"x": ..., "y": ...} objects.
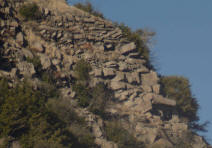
[{"x": 65, "y": 35}]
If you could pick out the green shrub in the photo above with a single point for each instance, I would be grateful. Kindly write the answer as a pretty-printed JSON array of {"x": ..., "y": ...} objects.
[
  {"x": 6, "y": 63},
  {"x": 25, "y": 117},
  {"x": 82, "y": 69},
  {"x": 95, "y": 98},
  {"x": 62, "y": 108},
  {"x": 87, "y": 7},
  {"x": 116, "y": 133},
  {"x": 17, "y": 106},
  {"x": 48, "y": 128},
  {"x": 178, "y": 88},
  {"x": 83, "y": 95},
  {"x": 101, "y": 95},
  {"x": 83, "y": 134},
  {"x": 47, "y": 144},
  {"x": 182, "y": 144},
  {"x": 76, "y": 125},
  {"x": 48, "y": 76},
  {"x": 30, "y": 11}
]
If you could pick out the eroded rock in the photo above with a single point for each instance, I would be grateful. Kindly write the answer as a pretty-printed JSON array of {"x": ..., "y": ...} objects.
[
  {"x": 37, "y": 46},
  {"x": 128, "y": 48},
  {"x": 118, "y": 85},
  {"x": 27, "y": 69},
  {"x": 45, "y": 61},
  {"x": 109, "y": 72},
  {"x": 20, "y": 38}
]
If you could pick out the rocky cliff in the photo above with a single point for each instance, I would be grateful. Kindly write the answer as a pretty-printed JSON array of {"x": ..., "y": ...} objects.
[{"x": 62, "y": 37}]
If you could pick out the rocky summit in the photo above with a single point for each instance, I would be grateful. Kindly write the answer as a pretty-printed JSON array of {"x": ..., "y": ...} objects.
[{"x": 78, "y": 54}]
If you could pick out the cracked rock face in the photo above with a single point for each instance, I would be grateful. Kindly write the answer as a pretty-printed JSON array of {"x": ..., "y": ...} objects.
[{"x": 66, "y": 35}]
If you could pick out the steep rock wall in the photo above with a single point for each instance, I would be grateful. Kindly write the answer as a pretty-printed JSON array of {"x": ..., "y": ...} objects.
[{"x": 64, "y": 36}]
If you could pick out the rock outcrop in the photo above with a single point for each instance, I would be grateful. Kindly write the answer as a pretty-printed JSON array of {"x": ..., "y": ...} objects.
[{"x": 65, "y": 35}]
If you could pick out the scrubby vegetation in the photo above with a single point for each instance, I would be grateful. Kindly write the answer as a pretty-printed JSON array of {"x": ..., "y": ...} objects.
[
  {"x": 95, "y": 98},
  {"x": 83, "y": 94},
  {"x": 30, "y": 11},
  {"x": 76, "y": 125},
  {"x": 87, "y": 7},
  {"x": 27, "y": 116},
  {"x": 101, "y": 96},
  {"x": 83, "y": 134},
  {"x": 6, "y": 63},
  {"x": 82, "y": 70},
  {"x": 116, "y": 133},
  {"x": 24, "y": 115},
  {"x": 178, "y": 88}
]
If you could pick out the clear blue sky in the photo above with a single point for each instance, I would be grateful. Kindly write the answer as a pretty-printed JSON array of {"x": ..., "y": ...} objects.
[{"x": 184, "y": 39}]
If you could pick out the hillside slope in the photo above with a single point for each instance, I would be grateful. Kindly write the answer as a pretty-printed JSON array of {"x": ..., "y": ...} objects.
[{"x": 99, "y": 75}]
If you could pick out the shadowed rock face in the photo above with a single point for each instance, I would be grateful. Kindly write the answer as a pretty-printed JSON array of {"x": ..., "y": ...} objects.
[{"x": 65, "y": 35}]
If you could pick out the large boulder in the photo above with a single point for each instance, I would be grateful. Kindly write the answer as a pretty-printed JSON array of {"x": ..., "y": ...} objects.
[
  {"x": 120, "y": 76},
  {"x": 146, "y": 104},
  {"x": 151, "y": 134},
  {"x": 133, "y": 78},
  {"x": 141, "y": 104},
  {"x": 156, "y": 88},
  {"x": 149, "y": 79},
  {"x": 117, "y": 85},
  {"x": 122, "y": 95},
  {"x": 146, "y": 88},
  {"x": 37, "y": 46},
  {"x": 142, "y": 69},
  {"x": 128, "y": 48},
  {"x": 98, "y": 72},
  {"x": 27, "y": 69},
  {"x": 123, "y": 66},
  {"x": 111, "y": 64},
  {"x": 158, "y": 99},
  {"x": 27, "y": 53},
  {"x": 109, "y": 72},
  {"x": 20, "y": 38},
  {"x": 45, "y": 61},
  {"x": 96, "y": 130}
]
